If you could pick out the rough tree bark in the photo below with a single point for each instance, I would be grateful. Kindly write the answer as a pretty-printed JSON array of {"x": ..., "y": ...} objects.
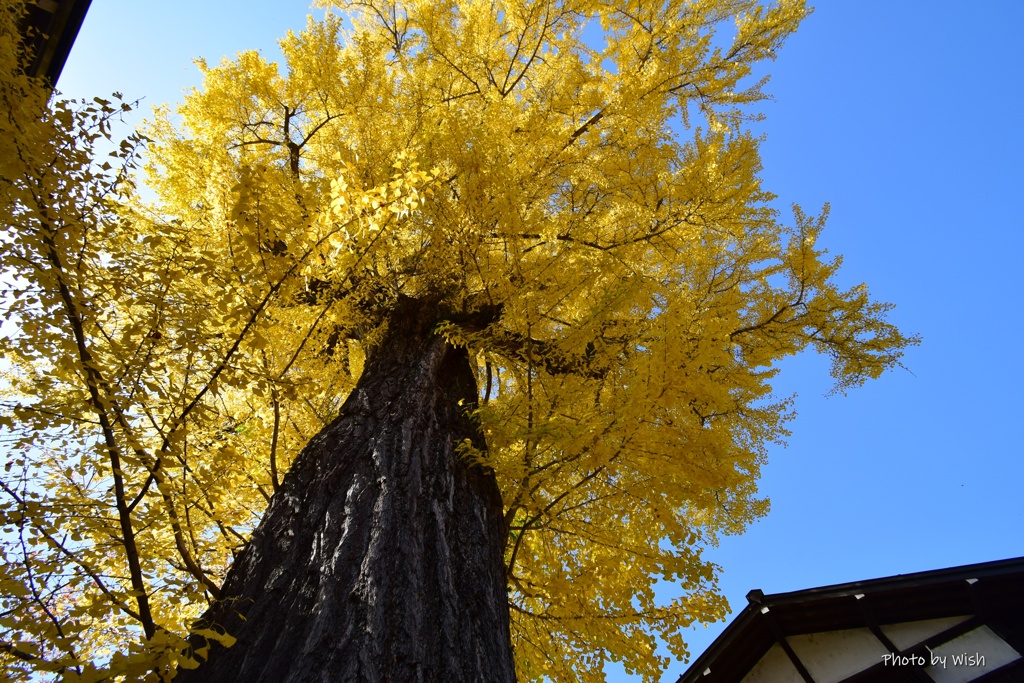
[{"x": 380, "y": 557}]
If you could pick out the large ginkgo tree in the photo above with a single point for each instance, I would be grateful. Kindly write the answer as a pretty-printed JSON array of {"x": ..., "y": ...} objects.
[{"x": 426, "y": 356}]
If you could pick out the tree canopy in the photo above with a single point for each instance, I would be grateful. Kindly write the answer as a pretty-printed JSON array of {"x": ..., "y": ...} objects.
[{"x": 570, "y": 185}]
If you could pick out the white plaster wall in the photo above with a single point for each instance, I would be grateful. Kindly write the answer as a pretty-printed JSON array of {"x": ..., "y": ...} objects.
[
  {"x": 910, "y": 633},
  {"x": 981, "y": 641},
  {"x": 774, "y": 667},
  {"x": 832, "y": 656}
]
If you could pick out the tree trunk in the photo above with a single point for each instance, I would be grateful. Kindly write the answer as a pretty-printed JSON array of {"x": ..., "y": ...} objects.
[{"x": 380, "y": 557}]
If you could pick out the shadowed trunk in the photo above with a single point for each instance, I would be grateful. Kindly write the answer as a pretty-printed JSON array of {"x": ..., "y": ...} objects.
[{"x": 380, "y": 557}]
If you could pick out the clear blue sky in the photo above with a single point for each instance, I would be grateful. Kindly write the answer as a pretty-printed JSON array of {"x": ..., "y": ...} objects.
[{"x": 906, "y": 116}]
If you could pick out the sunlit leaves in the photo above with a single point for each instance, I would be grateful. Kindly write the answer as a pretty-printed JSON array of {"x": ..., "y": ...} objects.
[{"x": 621, "y": 279}]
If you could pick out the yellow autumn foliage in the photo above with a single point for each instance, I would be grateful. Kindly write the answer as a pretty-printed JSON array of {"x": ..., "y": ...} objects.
[{"x": 580, "y": 167}]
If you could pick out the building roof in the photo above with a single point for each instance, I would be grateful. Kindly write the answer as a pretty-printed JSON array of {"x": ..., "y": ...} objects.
[
  {"x": 992, "y": 593},
  {"x": 50, "y": 28}
]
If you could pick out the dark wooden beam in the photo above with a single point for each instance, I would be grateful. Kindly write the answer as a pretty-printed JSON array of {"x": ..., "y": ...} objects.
[
  {"x": 780, "y": 638},
  {"x": 49, "y": 29}
]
